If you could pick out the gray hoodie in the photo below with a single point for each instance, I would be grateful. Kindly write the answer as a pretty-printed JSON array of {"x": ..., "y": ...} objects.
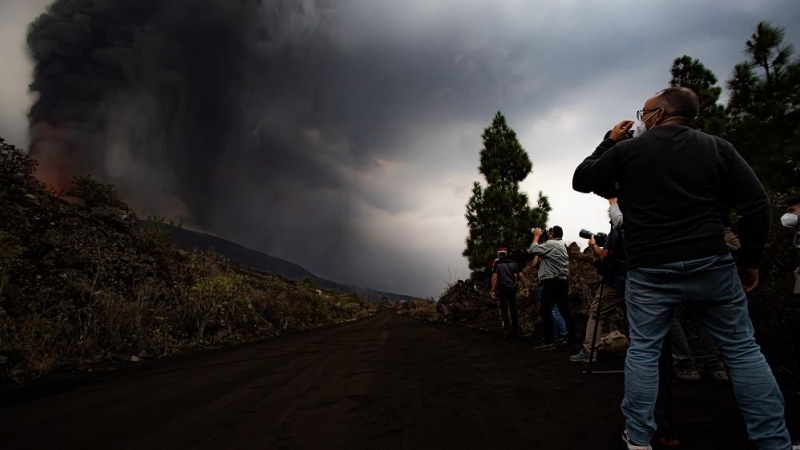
[{"x": 554, "y": 262}]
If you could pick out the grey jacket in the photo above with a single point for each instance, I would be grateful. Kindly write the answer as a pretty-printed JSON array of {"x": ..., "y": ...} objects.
[{"x": 554, "y": 262}]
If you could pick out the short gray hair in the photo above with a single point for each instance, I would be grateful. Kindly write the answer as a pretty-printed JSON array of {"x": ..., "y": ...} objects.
[{"x": 680, "y": 101}]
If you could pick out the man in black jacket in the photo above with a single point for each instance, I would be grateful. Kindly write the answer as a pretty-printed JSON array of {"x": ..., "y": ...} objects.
[{"x": 675, "y": 184}]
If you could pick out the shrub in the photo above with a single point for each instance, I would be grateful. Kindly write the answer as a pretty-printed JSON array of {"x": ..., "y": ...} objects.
[
  {"x": 217, "y": 301},
  {"x": 15, "y": 166},
  {"x": 155, "y": 235},
  {"x": 95, "y": 193}
]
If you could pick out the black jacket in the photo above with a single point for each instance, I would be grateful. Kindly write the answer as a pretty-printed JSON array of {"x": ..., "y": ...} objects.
[
  {"x": 614, "y": 268},
  {"x": 674, "y": 185}
]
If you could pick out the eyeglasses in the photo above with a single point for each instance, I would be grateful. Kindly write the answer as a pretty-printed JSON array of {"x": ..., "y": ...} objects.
[{"x": 640, "y": 113}]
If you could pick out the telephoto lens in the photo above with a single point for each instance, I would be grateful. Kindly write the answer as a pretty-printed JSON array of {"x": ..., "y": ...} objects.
[{"x": 586, "y": 234}]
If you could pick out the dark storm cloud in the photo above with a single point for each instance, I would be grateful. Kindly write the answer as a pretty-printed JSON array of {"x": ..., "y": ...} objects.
[
  {"x": 322, "y": 132},
  {"x": 238, "y": 116}
]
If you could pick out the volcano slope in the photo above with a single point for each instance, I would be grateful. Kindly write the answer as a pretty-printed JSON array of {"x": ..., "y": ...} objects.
[{"x": 384, "y": 382}]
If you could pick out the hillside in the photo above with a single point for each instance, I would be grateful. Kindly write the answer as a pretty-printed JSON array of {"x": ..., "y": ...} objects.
[
  {"x": 239, "y": 254},
  {"x": 84, "y": 285}
]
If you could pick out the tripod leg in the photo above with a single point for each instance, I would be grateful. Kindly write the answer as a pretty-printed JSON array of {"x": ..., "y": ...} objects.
[{"x": 592, "y": 349}]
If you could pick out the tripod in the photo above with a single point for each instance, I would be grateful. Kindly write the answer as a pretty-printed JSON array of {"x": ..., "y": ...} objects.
[
  {"x": 589, "y": 367},
  {"x": 668, "y": 436},
  {"x": 596, "y": 316}
]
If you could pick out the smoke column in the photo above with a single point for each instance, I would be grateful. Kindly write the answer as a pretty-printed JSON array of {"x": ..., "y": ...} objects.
[
  {"x": 174, "y": 101},
  {"x": 288, "y": 126}
]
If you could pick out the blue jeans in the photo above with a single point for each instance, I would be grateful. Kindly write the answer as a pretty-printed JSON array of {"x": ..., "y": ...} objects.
[
  {"x": 712, "y": 289},
  {"x": 560, "y": 328}
]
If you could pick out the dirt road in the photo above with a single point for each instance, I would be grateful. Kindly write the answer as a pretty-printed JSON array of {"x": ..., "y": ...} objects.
[{"x": 385, "y": 382}]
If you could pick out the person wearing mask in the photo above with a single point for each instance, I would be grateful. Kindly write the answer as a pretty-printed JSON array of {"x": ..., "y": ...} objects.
[
  {"x": 674, "y": 185},
  {"x": 612, "y": 271}
]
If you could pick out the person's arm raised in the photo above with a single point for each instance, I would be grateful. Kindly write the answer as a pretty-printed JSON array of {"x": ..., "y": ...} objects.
[
  {"x": 600, "y": 252},
  {"x": 614, "y": 213},
  {"x": 599, "y": 169}
]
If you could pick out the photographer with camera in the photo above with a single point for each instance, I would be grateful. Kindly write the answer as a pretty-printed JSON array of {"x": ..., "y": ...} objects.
[
  {"x": 674, "y": 185},
  {"x": 553, "y": 268},
  {"x": 609, "y": 251},
  {"x": 559, "y": 326}
]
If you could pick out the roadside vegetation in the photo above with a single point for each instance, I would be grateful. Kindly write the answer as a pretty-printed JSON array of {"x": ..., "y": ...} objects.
[{"x": 84, "y": 285}]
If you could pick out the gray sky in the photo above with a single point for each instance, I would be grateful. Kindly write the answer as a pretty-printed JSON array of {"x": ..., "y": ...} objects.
[{"x": 348, "y": 142}]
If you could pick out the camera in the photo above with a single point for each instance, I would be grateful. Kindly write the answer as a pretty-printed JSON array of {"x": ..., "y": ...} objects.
[
  {"x": 599, "y": 238},
  {"x": 545, "y": 235}
]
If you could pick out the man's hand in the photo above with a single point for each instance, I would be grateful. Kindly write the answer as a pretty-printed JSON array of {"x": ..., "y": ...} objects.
[
  {"x": 526, "y": 292},
  {"x": 620, "y": 130},
  {"x": 494, "y": 295},
  {"x": 612, "y": 201},
  {"x": 749, "y": 278},
  {"x": 592, "y": 242},
  {"x": 537, "y": 232}
]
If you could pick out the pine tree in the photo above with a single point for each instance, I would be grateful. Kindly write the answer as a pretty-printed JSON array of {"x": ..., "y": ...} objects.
[
  {"x": 691, "y": 73},
  {"x": 764, "y": 108},
  {"x": 499, "y": 214}
]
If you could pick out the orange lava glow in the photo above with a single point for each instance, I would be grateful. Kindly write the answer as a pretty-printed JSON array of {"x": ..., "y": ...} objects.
[{"x": 57, "y": 157}]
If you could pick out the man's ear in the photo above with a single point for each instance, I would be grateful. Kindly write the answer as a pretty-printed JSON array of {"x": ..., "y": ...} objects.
[{"x": 662, "y": 116}]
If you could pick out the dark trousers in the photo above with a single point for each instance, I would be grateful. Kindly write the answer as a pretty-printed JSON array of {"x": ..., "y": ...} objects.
[
  {"x": 508, "y": 309},
  {"x": 555, "y": 293}
]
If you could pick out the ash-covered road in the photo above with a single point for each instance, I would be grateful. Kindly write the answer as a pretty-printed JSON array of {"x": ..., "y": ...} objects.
[{"x": 385, "y": 382}]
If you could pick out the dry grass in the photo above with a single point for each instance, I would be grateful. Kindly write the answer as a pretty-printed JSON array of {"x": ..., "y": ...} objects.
[{"x": 418, "y": 309}]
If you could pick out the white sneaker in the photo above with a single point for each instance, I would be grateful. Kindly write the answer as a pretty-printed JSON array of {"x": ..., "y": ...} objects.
[{"x": 631, "y": 445}]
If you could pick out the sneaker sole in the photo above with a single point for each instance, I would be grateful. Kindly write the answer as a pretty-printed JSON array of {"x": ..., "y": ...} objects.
[{"x": 630, "y": 445}]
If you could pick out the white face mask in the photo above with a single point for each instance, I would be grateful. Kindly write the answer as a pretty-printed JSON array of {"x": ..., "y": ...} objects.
[
  {"x": 638, "y": 128},
  {"x": 789, "y": 220}
]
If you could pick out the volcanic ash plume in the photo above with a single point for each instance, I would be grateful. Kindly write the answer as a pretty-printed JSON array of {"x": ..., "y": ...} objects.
[{"x": 161, "y": 97}]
